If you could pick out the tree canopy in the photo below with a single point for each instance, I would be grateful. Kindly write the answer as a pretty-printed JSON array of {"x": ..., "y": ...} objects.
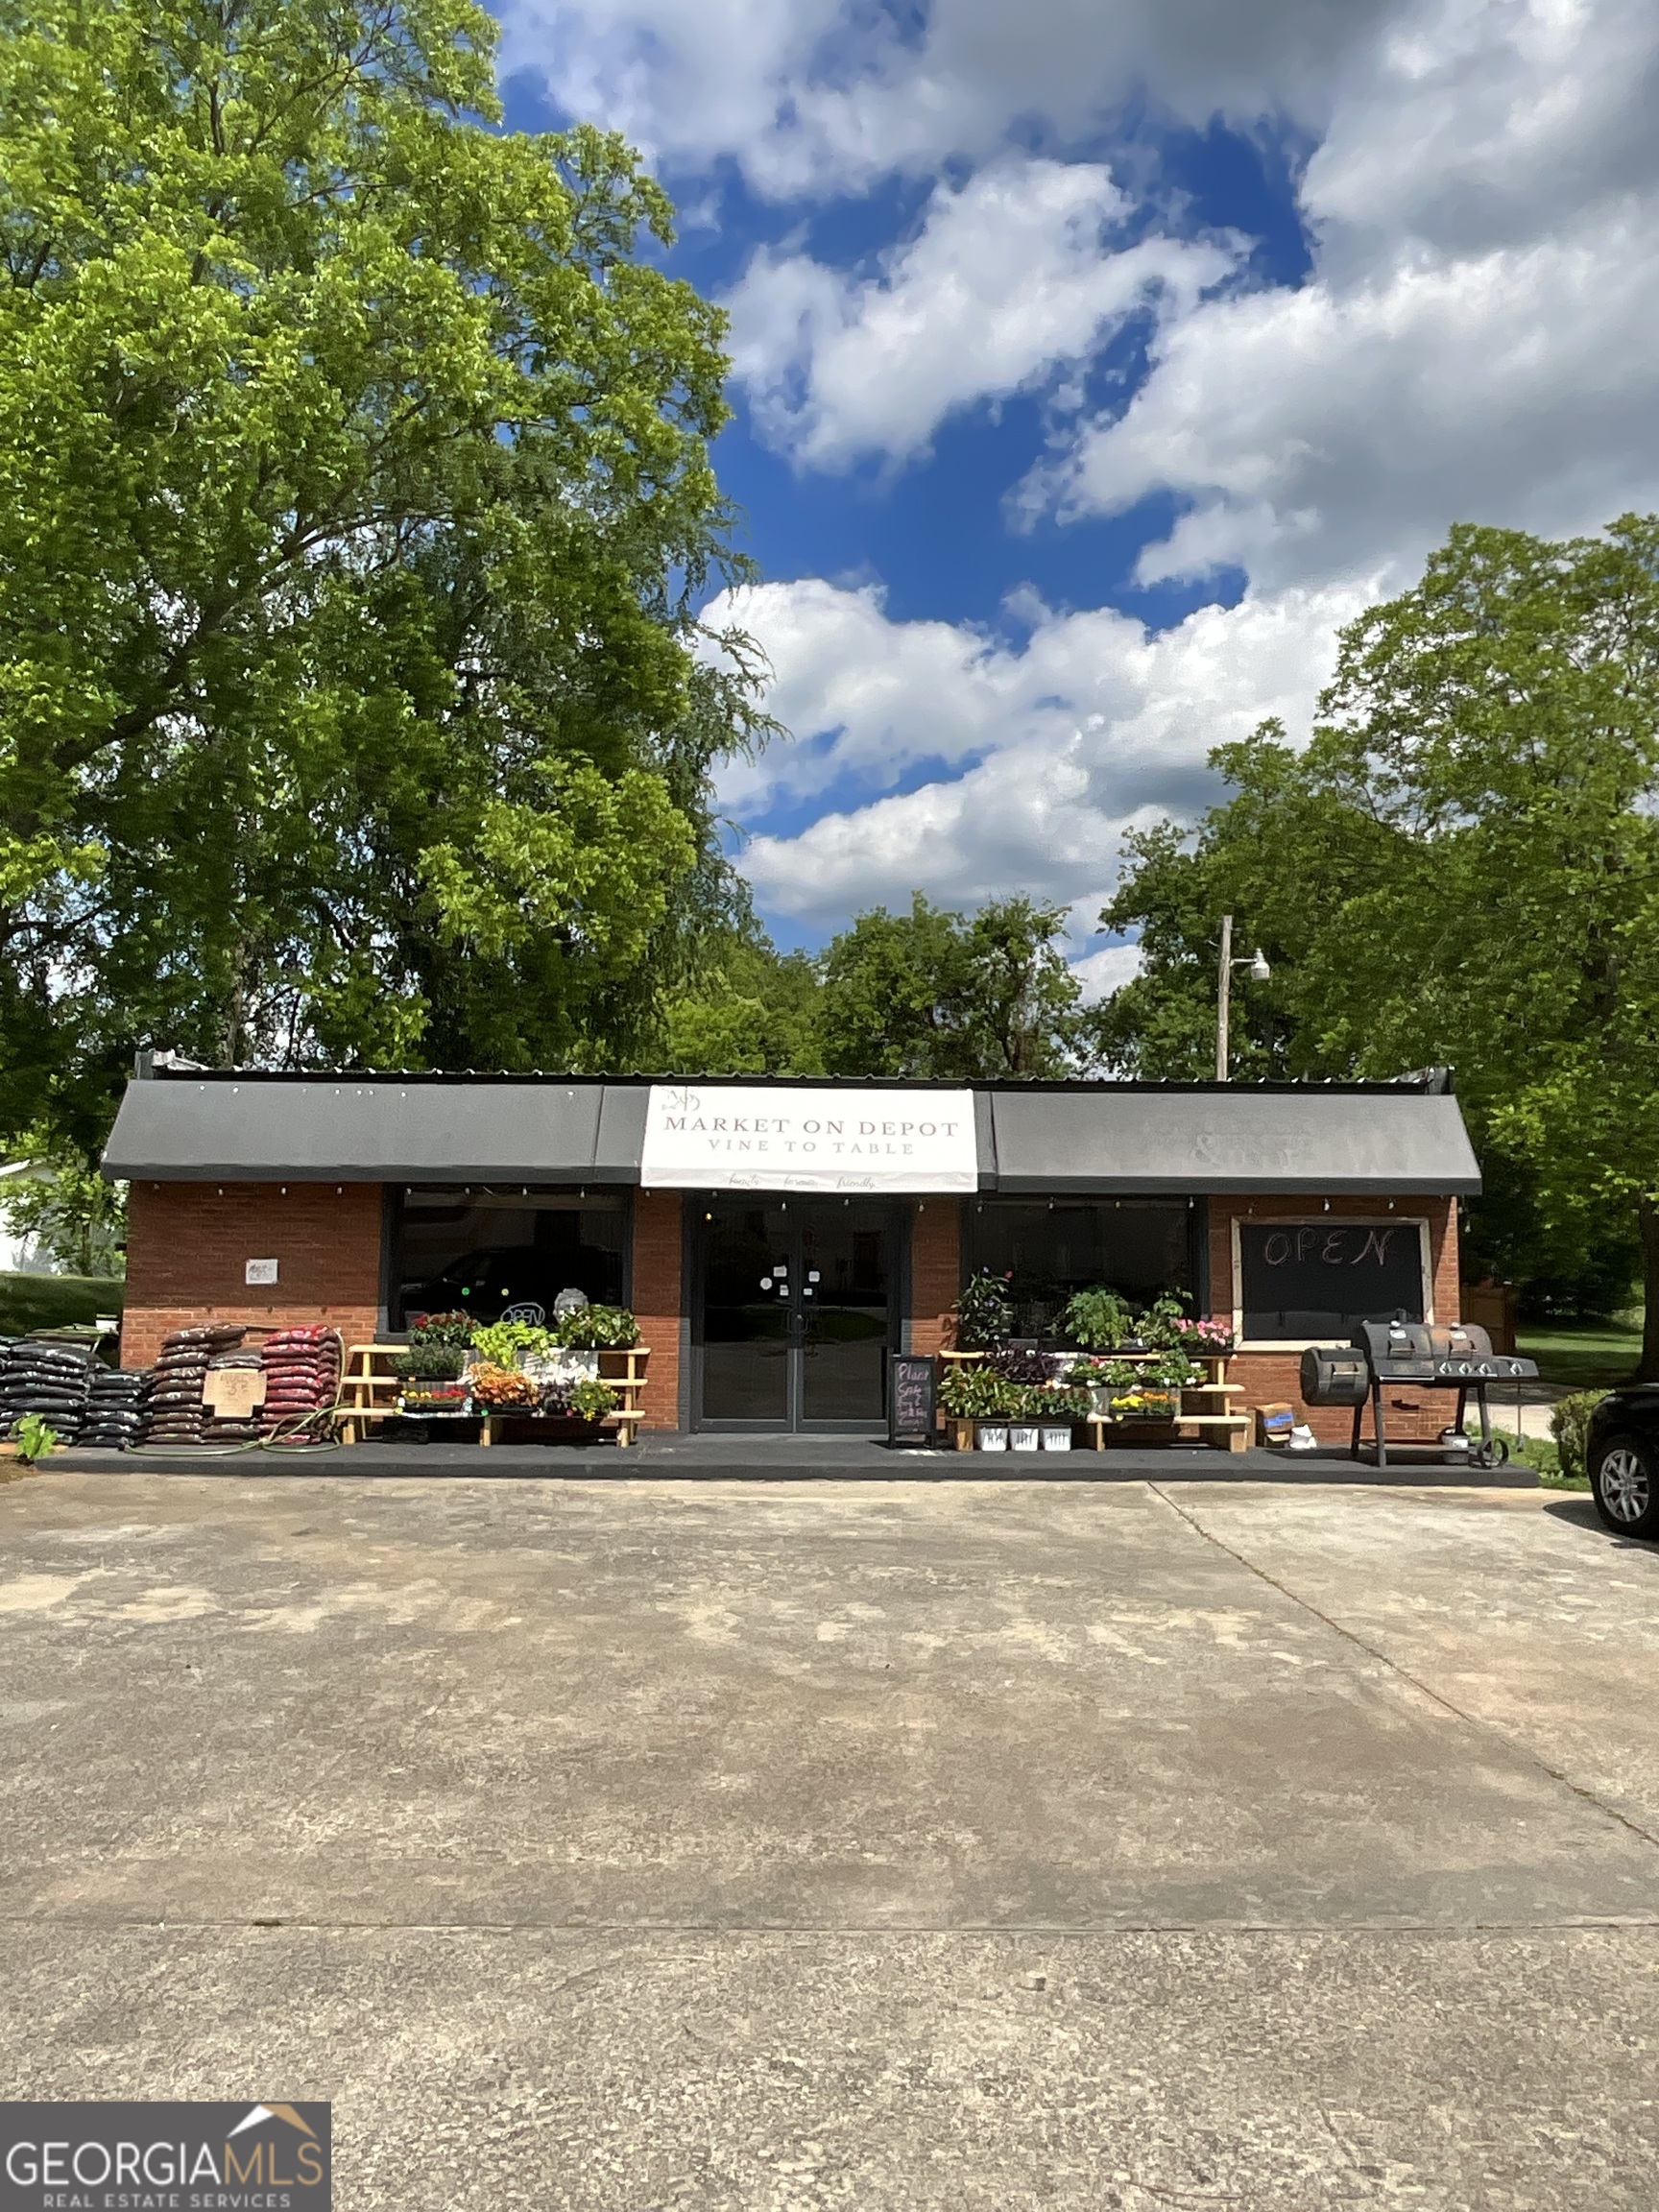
[
  {"x": 925, "y": 993},
  {"x": 354, "y": 506},
  {"x": 1462, "y": 866}
]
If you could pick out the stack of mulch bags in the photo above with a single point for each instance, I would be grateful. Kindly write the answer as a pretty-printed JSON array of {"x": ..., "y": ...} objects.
[
  {"x": 302, "y": 1373},
  {"x": 115, "y": 1402},
  {"x": 48, "y": 1377},
  {"x": 226, "y": 1428},
  {"x": 176, "y": 1414}
]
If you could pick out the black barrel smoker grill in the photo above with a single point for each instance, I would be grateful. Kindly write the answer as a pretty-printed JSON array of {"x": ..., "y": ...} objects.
[{"x": 1425, "y": 1356}]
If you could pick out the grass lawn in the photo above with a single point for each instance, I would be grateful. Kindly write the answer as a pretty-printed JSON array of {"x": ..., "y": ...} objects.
[
  {"x": 53, "y": 1301},
  {"x": 1593, "y": 1357}
]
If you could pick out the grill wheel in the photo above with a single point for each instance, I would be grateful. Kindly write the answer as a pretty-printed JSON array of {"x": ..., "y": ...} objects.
[{"x": 1626, "y": 1486}]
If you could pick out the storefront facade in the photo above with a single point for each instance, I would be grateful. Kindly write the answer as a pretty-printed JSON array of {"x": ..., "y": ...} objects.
[{"x": 778, "y": 1240}]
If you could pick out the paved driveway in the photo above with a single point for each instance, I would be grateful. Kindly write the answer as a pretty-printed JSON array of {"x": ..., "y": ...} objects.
[{"x": 619, "y": 1845}]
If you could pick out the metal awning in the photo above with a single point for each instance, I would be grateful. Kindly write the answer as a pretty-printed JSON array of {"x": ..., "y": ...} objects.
[
  {"x": 1032, "y": 1138},
  {"x": 1218, "y": 1137}
]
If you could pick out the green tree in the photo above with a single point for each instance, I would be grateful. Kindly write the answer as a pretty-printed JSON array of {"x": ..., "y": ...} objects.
[
  {"x": 1462, "y": 866},
  {"x": 69, "y": 1213},
  {"x": 355, "y": 507},
  {"x": 754, "y": 1012},
  {"x": 932, "y": 994}
]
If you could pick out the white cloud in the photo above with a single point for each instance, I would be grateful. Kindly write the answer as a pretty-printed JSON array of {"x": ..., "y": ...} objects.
[
  {"x": 1094, "y": 725},
  {"x": 809, "y": 95},
  {"x": 1009, "y": 277},
  {"x": 1479, "y": 340},
  {"x": 1102, "y": 973}
]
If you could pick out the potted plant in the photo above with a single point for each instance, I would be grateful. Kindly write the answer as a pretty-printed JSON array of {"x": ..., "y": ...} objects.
[
  {"x": 983, "y": 1396},
  {"x": 1098, "y": 1319},
  {"x": 1149, "y": 1390},
  {"x": 596, "y": 1329},
  {"x": 1205, "y": 1340},
  {"x": 984, "y": 1313},
  {"x": 1159, "y": 1328},
  {"x": 505, "y": 1389}
]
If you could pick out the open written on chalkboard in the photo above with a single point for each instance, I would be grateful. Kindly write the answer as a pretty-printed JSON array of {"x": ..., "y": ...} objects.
[
  {"x": 912, "y": 1398},
  {"x": 1319, "y": 1279}
]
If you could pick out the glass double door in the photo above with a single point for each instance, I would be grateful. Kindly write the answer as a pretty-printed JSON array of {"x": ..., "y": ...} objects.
[{"x": 795, "y": 1313}]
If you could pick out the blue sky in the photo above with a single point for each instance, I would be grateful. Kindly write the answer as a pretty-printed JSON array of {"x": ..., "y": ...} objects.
[{"x": 1093, "y": 364}]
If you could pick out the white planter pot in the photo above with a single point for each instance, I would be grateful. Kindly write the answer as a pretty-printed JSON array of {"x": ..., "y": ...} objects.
[
  {"x": 1056, "y": 1439},
  {"x": 990, "y": 1436},
  {"x": 1023, "y": 1440}
]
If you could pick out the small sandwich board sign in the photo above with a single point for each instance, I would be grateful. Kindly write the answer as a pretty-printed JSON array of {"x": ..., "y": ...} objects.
[{"x": 912, "y": 1398}]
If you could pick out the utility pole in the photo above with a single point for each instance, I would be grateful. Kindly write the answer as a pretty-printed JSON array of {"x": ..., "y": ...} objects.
[
  {"x": 1258, "y": 966},
  {"x": 1223, "y": 998}
]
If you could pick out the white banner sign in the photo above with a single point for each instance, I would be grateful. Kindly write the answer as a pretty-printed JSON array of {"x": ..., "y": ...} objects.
[{"x": 720, "y": 1137}]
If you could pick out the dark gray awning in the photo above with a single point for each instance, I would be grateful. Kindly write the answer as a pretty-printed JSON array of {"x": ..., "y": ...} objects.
[
  {"x": 1101, "y": 1137},
  {"x": 374, "y": 1132},
  {"x": 1329, "y": 1141}
]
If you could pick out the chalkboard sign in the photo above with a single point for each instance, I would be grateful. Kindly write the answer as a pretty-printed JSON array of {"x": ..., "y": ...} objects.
[
  {"x": 912, "y": 1398},
  {"x": 1321, "y": 1279}
]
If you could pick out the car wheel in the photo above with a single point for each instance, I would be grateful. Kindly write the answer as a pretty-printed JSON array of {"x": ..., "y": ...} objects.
[{"x": 1626, "y": 1486}]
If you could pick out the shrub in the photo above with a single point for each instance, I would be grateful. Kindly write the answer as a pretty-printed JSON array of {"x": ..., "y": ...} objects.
[
  {"x": 1162, "y": 1324},
  {"x": 1569, "y": 1425},
  {"x": 984, "y": 1313}
]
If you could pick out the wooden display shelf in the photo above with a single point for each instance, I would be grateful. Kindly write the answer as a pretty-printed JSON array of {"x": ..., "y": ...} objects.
[
  {"x": 1224, "y": 1431},
  {"x": 369, "y": 1387}
]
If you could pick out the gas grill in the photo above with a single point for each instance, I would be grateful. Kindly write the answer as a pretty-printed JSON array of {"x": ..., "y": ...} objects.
[{"x": 1425, "y": 1356}]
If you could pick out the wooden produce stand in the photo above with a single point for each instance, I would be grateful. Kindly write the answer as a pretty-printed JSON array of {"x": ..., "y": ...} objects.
[
  {"x": 1205, "y": 1408},
  {"x": 369, "y": 1387},
  {"x": 624, "y": 1371}
]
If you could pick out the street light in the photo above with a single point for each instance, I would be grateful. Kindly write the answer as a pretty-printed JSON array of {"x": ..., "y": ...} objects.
[{"x": 1259, "y": 972}]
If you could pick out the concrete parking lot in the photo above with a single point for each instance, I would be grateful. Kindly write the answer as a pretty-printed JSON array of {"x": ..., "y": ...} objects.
[{"x": 622, "y": 1845}]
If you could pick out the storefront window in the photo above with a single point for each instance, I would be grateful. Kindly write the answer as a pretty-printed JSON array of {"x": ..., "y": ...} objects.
[
  {"x": 1140, "y": 1246},
  {"x": 481, "y": 1251}
]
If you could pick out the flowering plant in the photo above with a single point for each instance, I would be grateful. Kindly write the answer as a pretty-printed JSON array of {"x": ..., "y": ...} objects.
[
  {"x": 1204, "y": 1336},
  {"x": 505, "y": 1389}
]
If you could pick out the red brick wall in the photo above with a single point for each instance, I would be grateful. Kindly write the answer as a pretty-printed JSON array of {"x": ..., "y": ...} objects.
[
  {"x": 1275, "y": 1376},
  {"x": 187, "y": 1246},
  {"x": 658, "y": 1300},
  {"x": 935, "y": 1272}
]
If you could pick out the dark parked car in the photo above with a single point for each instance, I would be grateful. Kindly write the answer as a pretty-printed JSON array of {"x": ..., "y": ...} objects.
[{"x": 1622, "y": 1455}]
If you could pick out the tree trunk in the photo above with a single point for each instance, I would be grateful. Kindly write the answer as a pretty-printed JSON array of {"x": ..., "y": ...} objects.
[{"x": 1648, "y": 1215}]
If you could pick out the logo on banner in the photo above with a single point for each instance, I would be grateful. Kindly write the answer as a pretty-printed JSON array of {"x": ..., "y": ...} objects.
[
  {"x": 723, "y": 1136},
  {"x": 161, "y": 2157}
]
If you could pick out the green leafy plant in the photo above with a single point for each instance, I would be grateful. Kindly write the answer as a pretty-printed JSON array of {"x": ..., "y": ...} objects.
[
  {"x": 596, "y": 1329},
  {"x": 35, "y": 1438},
  {"x": 1569, "y": 1425},
  {"x": 984, "y": 1313},
  {"x": 1162, "y": 1324},
  {"x": 431, "y": 1362},
  {"x": 1098, "y": 1319},
  {"x": 972, "y": 1392},
  {"x": 501, "y": 1343},
  {"x": 591, "y": 1400}
]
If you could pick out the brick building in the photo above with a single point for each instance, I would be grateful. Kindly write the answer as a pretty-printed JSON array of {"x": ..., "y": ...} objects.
[{"x": 777, "y": 1239}]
